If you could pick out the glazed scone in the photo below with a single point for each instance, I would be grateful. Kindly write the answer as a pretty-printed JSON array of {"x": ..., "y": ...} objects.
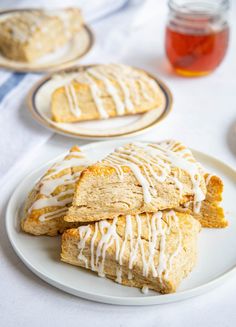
[
  {"x": 209, "y": 212},
  {"x": 29, "y": 35},
  {"x": 49, "y": 200},
  {"x": 137, "y": 178},
  {"x": 154, "y": 251},
  {"x": 104, "y": 91}
]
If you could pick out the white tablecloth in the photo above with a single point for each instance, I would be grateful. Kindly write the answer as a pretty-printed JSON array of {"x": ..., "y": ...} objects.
[{"x": 204, "y": 117}]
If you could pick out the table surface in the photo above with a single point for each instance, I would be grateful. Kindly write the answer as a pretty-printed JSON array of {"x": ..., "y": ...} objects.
[{"x": 203, "y": 117}]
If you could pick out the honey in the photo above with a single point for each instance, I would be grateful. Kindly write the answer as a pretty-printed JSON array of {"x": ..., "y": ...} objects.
[{"x": 196, "y": 38}]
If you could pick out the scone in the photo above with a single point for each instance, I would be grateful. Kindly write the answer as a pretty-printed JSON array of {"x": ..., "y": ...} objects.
[
  {"x": 49, "y": 200},
  {"x": 28, "y": 35},
  {"x": 209, "y": 212},
  {"x": 154, "y": 251},
  {"x": 137, "y": 178},
  {"x": 104, "y": 91}
]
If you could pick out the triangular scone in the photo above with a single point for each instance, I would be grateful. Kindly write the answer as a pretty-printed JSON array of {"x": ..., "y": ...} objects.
[
  {"x": 104, "y": 91},
  {"x": 27, "y": 35},
  {"x": 49, "y": 200},
  {"x": 209, "y": 212},
  {"x": 136, "y": 178},
  {"x": 153, "y": 251}
]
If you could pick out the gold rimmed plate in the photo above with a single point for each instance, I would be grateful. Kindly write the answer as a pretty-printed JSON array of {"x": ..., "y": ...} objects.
[
  {"x": 65, "y": 57},
  {"x": 39, "y": 105}
]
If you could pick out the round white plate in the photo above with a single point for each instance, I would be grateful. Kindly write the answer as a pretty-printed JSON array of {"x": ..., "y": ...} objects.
[
  {"x": 216, "y": 262},
  {"x": 39, "y": 99},
  {"x": 65, "y": 57}
]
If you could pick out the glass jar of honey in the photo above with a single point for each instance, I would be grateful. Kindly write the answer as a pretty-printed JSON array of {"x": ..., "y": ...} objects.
[{"x": 197, "y": 35}]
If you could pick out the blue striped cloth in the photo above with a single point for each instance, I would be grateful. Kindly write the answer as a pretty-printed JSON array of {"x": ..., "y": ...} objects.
[{"x": 10, "y": 83}]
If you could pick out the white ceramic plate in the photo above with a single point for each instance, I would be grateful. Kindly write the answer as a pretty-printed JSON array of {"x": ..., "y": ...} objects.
[
  {"x": 216, "y": 262},
  {"x": 65, "y": 57},
  {"x": 39, "y": 99}
]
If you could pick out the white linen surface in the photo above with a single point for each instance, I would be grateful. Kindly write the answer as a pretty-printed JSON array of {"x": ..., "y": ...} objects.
[{"x": 204, "y": 117}]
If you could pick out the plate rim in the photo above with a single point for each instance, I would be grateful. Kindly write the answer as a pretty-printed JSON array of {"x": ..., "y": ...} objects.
[
  {"x": 117, "y": 300},
  {"x": 31, "y": 106},
  {"x": 10, "y": 65}
]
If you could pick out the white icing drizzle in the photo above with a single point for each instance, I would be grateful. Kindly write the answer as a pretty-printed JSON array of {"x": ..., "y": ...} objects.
[
  {"x": 52, "y": 215},
  {"x": 108, "y": 237},
  {"x": 197, "y": 205},
  {"x": 127, "y": 79},
  {"x": 117, "y": 168},
  {"x": 50, "y": 182},
  {"x": 117, "y": 159},
  {"x": 153, "y": 237},
  {"x": 139, "y": 160},
  {"x": 49, "y": 185},
  {"x": 93, "y": 267},
  {"x": 171, "y": 215},
  {"x": 128, "y": 237},
  {"x": 69, "y": 163},
  {"x": 84, "y": 232},
  {"x": 186, "y": 153},
  {"x": 178, "y": 185},
  {"x": 139, "y": 244},
  {"x": 144, "y": 92},
  {"x": 119, "y": 274},
  {"x": 52, "y": 201},
  {"x": 105, "y": 235},
  {"x": 207, "y": 180},
  {"x": 149, "y": 157},
  {"x": 96, "y": 94},
  {"x": 130, "y": 275},
  {"x": 118, "y": 73},
  {"x": 72, "y": 100},
  {"x": 135, "y": 92},
  {"x": 144, "y": 81},
  {"x": 112, "y": 91},
  {"x": 190, "y": 167}
]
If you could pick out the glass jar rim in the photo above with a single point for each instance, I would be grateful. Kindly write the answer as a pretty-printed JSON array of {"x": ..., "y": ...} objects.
[{"x": 199, "y": 8}]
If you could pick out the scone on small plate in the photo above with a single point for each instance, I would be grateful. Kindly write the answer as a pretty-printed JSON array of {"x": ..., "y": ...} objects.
[
  {"x": 105, "y": 91},
  {"x": 49, "y": 200},
  {"x": 136, "y": 178},
  {"x": 148, "y": 251},
  {"x": 28, "y": 35}
]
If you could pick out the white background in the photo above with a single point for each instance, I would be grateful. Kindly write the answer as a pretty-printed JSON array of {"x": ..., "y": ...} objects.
[{"x": 203, "y": 117}]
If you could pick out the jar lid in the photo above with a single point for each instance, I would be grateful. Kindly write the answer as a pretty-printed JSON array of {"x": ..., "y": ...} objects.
[{"x": 199, "y": 8}]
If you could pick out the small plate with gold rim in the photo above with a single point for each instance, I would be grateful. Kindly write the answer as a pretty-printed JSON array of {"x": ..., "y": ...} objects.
[{"x": 39, "y": 99}]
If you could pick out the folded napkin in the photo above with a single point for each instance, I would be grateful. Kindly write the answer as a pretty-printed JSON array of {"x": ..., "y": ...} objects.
[{"x": 19, "y": 134}]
